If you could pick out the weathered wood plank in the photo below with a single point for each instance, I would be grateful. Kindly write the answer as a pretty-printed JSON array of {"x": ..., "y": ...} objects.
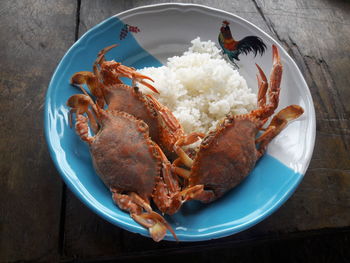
[
  {"x": 315, "y": 247},
  {"x": 317, "y": 35},
  {"x": 322, "y": 200},
  {"x": 93, "y": 12},
  {"x": 34, "y": 36},
  {"x": 86, "y": 234}
]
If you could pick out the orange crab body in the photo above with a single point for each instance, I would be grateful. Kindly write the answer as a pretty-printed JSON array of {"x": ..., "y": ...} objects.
[
  {"x": 235, "y": 154},
  {"x": 124, "y": 156},
  {"x": 124, "y": 98}
]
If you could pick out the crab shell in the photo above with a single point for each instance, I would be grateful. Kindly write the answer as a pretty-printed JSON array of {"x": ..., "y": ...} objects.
[
  {"x": 121, "y": 97},
  {"x": 124, "y": 156},
  {"x": 234, "y": 148},
  {"x": 164, "y": 128}
]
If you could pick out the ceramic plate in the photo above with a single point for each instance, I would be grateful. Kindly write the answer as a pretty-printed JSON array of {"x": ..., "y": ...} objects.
[{"x": 147, "y": 36}]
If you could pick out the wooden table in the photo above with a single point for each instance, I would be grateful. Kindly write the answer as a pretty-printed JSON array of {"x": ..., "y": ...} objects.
[{"x": 41, "y": 220}]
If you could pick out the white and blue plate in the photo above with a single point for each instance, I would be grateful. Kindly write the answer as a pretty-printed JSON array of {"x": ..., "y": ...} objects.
[{"x": 166, "y": 30}]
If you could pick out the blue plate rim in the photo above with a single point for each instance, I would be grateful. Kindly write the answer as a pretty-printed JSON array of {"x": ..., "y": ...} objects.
[{"x": 184, "y": 237}]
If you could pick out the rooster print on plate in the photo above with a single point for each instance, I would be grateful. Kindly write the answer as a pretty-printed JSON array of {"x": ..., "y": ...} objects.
[{"x": 233, "y": 48}]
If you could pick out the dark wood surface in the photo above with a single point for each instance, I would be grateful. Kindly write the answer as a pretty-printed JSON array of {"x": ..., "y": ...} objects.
[{"x": 41, "y": 220}]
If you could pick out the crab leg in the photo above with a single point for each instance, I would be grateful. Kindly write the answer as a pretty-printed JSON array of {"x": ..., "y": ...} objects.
[
  {"x": 111, "y": 71},
  {"x": 132, "y": 74},
  {"x": 141, "y": 202},
  {"x": 167, "y": 116},
  {"x": 170, "y": 199},
  {"x": 155, "y": 223},
  {"x": 88, "y": 78},
  {"x": 186, "y": 174},
  {"x": 266, "y": 110},
  {"x": 167, "y": 195},
  {"x": 169, "y": 179},
  {"x": 275, "y": 77},
  {"x": 134, "y": 204},
  {"x": 263, "y": 86},
  {"x": 167, "y": 186},
  {"x": 277, "y": 124},
  {"x": 82, "y": 128},
  {"x": 187, "y": 140},
  {"x": 164, "y": 197},
  {"x": 91, "y": 80},
  {"x": 80, "y": 104},
  {"x": 197, "y": 192},
  {"x": 101, "y": 55},
  {"x": 183, "y": 157}
]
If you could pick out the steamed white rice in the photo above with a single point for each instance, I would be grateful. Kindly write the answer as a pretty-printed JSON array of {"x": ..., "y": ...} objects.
[{"x": 200, "y": 87}]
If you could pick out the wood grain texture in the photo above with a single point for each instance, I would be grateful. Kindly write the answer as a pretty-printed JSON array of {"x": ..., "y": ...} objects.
[
  {"x": 34, "y": 36},
  {"x": 316, "y": 34},
  {"x": 325, "y": 248},
  {"x": 36, "y": 33}
]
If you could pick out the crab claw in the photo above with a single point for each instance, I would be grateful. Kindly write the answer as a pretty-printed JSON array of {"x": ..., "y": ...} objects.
[
  {"x": 119, "y": 70},
  {"x": 263, "y": 86},
  {"x": 85, "y": 77},
  {"x": 91, "y": 80},
  {"x": 286, "y": 115},
  {"x": 149, "y": 86},
  {"x": 80, "y": 102},
  {"x": 276, "y": 73},
  {"x": 277, "y": 124},
  {"x": 79, "y": 105},
  {"x": 271, "y": 89},
  {"x": 132, "y": 73},
  {"x": 101, "y": 55},
  {"x": 275, "y": 55},
  {"x": 155, "y": 223}
]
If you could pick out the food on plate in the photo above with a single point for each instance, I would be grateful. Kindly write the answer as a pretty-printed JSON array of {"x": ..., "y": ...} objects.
[
  {"x": 200, "y": 87},
  {"x": 136, "y": 137},
  {"x": 130, "y": 164},
  {"x": 105, "y": 85},
  {"x": 229, "y": 153}
]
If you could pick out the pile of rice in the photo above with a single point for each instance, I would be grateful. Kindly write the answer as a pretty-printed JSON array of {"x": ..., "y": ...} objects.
[{"x": 200, "y": 87}]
